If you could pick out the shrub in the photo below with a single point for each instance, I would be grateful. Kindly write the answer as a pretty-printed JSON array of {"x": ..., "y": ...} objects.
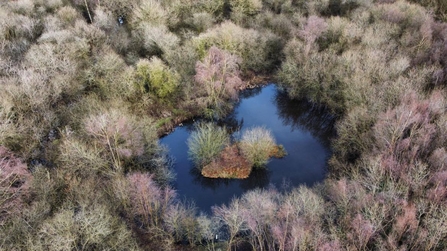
[
  {"x": 121, "y": 135},
  {"x": 315, "y": 77},
  {"x": 181, "y": 222},
  {"x": 206, "y": 143},
  {"x": 149, "y": 202},
  {"x": 316, "y": 7},
  {"x": 314, "y": 28},
  {"x": 104, "y": 19},
  {"x": 84, "y": 227},
  {"x": 16, "y": 33},
  {"x": 8, "y": 130},
  {"x": 156, "y": 77},
  {"x": 156, "y": 39},
  {"x": 242, "y": 9},
  {"x": 248, "y": 7},
  {"x": 78, "y": 158},
  {"x": 183, "y": 60},
  {"x": 15, "y": 182},
  {"x": 257, "y": 145},
  {"x": 202, "y": 21},
  {"x": 260, "y": 209},
  {"x": 233, "y": 218},
  {"x": 252, "y": 46},
  {"x": 281, "y": 25},
  {"x": 218, "y": 75},
  {"x": 279, "y": 6}
]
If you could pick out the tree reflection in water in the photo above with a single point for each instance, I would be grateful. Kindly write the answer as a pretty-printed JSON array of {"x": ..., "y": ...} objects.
[{"x": 305, "y": 115}]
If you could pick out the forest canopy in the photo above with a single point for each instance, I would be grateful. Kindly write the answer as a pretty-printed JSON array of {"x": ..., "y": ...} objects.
[{"x": 88, "y": 86}]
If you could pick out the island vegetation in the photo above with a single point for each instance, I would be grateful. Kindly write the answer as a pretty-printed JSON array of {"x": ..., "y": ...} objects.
[
  {"x": 88, "y": 86},
  {"x": 216, "y": 157}
]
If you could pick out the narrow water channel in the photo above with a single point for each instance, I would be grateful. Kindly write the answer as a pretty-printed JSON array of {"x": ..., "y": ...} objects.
[{"x": 303, "y": 129}]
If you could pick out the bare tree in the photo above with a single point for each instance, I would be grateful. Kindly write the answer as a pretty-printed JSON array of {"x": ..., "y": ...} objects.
[
  {"x": 149, "y": 202},
  {"x": 232, "y": 217},
  {"x": 219, "y": 75}
]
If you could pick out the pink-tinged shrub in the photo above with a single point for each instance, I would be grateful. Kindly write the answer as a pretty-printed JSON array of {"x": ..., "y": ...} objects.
[
  {"x": 408, "y": 133},
  {"x": 15, "y": 181},
  {"x": 362, "y": 232},
  {"x": 233, "y": 217},
  {"x": 148, "y": 201},
  {"x": 438, "y": 193},
  {"x": 121, "y": 135},
  {"x": 406, "y": 221},
  {"x": 330, "y": 246},
  {"x": 219, "y": 76},
  {"x": 438, "y": 159}
]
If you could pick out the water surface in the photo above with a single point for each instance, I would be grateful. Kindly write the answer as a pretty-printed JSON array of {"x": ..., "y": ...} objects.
[{"x": 303, "y": 129}]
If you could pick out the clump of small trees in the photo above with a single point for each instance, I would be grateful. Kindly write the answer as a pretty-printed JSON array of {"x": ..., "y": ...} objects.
[
  {"x": 258, "y": 145},
  {"x": 206, "y": 143},
  {"x": 218, "y": 76},
  {"x": 212, "y": 152}
]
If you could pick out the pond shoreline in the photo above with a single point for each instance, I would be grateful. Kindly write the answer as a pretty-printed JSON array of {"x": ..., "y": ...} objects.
[
  {"x": 250, "y": 82},
  {"x": 296, "y": 125}
]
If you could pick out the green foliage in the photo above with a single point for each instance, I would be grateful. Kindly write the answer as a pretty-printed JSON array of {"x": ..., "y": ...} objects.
[
  {"x": 206, "y": 143},
  {"x": 252, "y": 46},
  {"x": 142, "y": 76},
  {"x": 154, "y": 76},
  {"x": 248, "y": 7}
]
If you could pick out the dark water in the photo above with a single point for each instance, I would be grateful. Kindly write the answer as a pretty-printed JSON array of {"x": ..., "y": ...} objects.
[{"x": 303, "y": 129}]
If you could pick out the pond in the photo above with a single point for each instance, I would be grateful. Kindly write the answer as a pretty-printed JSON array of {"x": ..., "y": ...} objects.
[{"x": 301, "y": 127}]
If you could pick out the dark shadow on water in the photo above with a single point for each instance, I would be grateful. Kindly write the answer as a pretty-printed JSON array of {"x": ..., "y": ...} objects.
[
  {"x": 305, "y": 115},
  {"x": 259, "y": 178},
  {"x": 248, "y": 93}
]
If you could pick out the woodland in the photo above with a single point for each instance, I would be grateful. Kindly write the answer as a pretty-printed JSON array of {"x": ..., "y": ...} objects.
[{"x": 87, "y": 87}]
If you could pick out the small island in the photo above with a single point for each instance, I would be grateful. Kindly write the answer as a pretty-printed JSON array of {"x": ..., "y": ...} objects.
[{"x": 217, "y": 157}]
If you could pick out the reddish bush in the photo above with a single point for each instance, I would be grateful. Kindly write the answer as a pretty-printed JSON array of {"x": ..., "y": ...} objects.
[
  {"x": 219, "y": 76},
  {"x": 362, "y": 232},
  {"x": 407, "y": 133},
  {"x": 15, "y": 183},
  {"x": 149, "y": 202},
  {"x": 406, "y": 221},
  {"x": 230, "y": 164}
]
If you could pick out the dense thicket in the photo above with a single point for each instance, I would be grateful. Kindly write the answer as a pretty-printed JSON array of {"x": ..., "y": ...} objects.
[{"x": 88, "y": 85}]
